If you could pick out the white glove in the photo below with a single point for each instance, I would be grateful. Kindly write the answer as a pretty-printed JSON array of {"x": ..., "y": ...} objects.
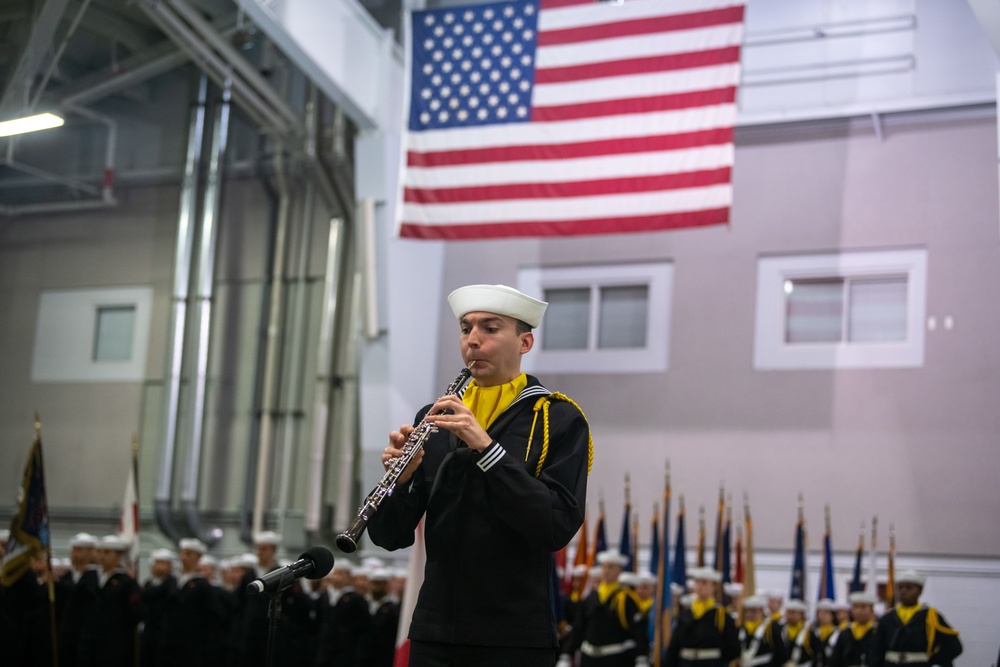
[
  {"x": 564, "y": 661},
  {"x": 641, "y": 661}
]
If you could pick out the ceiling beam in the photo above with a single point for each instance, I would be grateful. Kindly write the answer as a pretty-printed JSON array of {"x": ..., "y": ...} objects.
[{"x": 39, "y": 45}]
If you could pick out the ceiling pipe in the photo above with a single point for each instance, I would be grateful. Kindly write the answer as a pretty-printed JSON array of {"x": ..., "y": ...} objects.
[
  {"x": 163, "y": 499},
  {"x": 259, "y": 110},
  {"x": 211, "y": 207},
  {"x": 269, "y": 382}
]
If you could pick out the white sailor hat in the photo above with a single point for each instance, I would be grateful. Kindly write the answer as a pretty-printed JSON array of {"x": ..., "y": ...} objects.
[
  {"x": 380, "y": 574},
  {"x": 208, "y": 560},
  {"x": 825, "y": 604},
  {"x": 82, "y": 540},
  {"x": 733, "y": 589},
  {"x": 860, "y": 597},
  {"x": 246, "y": 560},
  {"x": 628, "y": 579},
  {"x": 579, "y": 570},
  {"x": 344, "y": 565},
  {"x": 267, "y": 537},
  {"x": 686, "y": 600},
  {"x": 112, "y": 543},
  {"x": 372, "y": 562},
  {"x": 4, "y": 534},
  {"x": 163, "y": 554},
  {"x": 192, "y": 544},
  {"x": 795, "y": 605},
  {"x": 676, "y": 588},
  {"x": 773, "y": 594},
  {"x": 705, "y": 574},
  {"x": 498, "y": 299},
  {"x": 911, "y": 577},
  {"x": 647, "y": 578},
  {"x": 610, "y": 557},
  {"x": 595, "y": 571},
  {"x": 840, "y": 605},
  {"x": 754, "y": 602}
]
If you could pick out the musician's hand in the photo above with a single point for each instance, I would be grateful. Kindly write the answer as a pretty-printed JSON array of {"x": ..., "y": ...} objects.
[
  {"x": 459, "y": 419},
  {"x": 395, "y": 449}
]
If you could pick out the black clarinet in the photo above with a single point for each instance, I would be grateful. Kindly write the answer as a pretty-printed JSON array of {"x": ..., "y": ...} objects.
[{"x": 347, "y": 541}]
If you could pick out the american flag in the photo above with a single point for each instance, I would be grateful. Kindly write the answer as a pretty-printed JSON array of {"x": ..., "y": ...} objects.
[{"x": 540, "y": 118}]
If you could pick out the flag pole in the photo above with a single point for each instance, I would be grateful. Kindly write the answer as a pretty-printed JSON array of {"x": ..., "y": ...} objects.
[{"x": 53, "y": 631}]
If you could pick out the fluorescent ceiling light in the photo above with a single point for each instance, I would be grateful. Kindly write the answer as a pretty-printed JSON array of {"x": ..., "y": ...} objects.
[{"x": 42, "y": 121}]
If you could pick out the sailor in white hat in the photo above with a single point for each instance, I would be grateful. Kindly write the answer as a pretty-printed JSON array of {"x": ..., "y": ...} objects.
[
  {"x": 760, "y": 639},
  {"x": 507, "y": 465},
  {"x": 796, "y": 634},
  {"x": 158, "y": 593},
  {"x": 266, "y": 545},
  {"x": 854, "y": 642},
  {"x": 824, "y": 630},
  {"x": 705, "y": 634},
  {"x": 82, "y": 556},
  {"x": 912, "y": 633},
  {"x": 119, "y": 606},
  {"x": 343, "y": 617}
]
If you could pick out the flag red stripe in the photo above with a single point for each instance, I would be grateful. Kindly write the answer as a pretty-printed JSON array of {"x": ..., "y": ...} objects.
[
  {"x": 718, "y": 136},
  {"x": 634, "y": 105},
  {"x": 582, "y": 227},
  {"x": 642, "y": 26},
  {"x": 605, "y": 186},
  {"x": 666, "y": 63},
  {"x": 556, "y": 4}
]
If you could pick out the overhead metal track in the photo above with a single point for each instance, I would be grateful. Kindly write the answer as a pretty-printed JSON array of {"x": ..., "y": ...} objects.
[
  {"x": 18, "y": 91},
  {"x": 224, "y": 65}
]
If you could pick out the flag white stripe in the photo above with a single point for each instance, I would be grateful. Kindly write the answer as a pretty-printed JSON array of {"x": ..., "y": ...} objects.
[
  {"x": 636, "y": 85},
  {"x": 587, "y": 129},
  {"x": 571, "y": 208},
  {"x": 576, "y": 16},
  {"x": 637, "y": 46},
  {"x": 578, "y": 169}
]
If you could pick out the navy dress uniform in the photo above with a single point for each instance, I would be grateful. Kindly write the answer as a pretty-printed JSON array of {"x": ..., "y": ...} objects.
[
  {"x": 854, "y": 643},
  {"x": 760, "y": 639},
  {"x": 914, "y": 634},
  {"x": 705, "y": 635}
]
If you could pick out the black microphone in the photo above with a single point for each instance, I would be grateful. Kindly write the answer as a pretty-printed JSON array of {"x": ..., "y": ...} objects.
[{"x": 315, "y": 563}]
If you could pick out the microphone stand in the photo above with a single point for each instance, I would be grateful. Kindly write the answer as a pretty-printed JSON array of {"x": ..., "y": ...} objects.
[{"x": 274, "y": 615}]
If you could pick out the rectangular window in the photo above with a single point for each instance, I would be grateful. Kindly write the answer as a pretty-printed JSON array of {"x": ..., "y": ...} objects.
[
  {"x": 92, "y": 335},
  {"x": 609, "y": 318},
  {"x": 849, "y": 310},
  {"x": 115, "y": 326}
]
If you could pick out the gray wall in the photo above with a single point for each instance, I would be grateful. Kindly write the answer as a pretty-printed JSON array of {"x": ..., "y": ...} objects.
[{"x": 914, "y": 446}]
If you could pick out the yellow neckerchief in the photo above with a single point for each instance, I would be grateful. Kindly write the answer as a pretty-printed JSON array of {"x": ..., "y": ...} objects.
[
  {"x": 699, "y": 607},
  {"x": 843, "y": 625},
  {"x": 487, "y": 403},
  {"x": 794, "y": 630},
  {"x": 751, "y": 626},
  {"x": 605, "y": 591},
  {"x": 906, "y": 613},
  {"x": 776, "y": 616},
  {"x": 826, "y": 630},
  {"x": 859, "y": 630}
]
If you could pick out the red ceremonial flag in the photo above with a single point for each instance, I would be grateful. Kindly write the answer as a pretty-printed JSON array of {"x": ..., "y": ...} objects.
[
  {"x": 532, "y": 118},
  {"x": 414, "y": 579},
  {"x": 128, "y": 524}
]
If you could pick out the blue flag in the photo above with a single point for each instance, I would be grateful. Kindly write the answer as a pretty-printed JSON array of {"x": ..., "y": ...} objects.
[
  {"x": 799, "y": 564},
  {"x": 826, "y": 586},
  {"x": 856, "y": 583},
  {"x": 29, "y": 531},
  {"x": 625, "y": 543},
  {"x": 680, "y": 552}
]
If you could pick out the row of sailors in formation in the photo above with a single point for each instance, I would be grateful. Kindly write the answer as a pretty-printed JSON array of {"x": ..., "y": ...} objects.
[
  {"x": 105, "y": 618},
  {"x": 612, "y": 625}
]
